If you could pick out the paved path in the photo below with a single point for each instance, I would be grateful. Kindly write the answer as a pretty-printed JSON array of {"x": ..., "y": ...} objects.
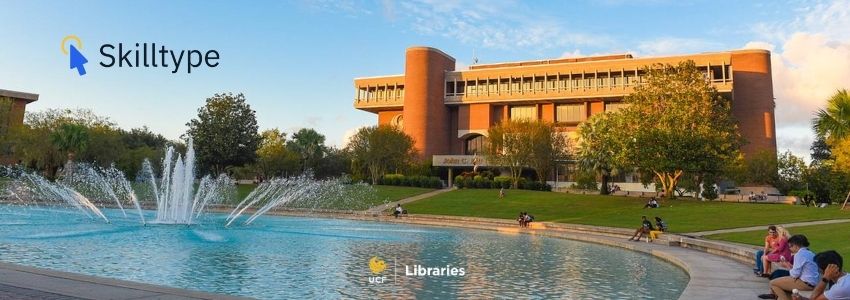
[
  {"x": 385, "y": 206},
  {"x": 753, "y": 228},
  {"x": 22, "y": 282}
]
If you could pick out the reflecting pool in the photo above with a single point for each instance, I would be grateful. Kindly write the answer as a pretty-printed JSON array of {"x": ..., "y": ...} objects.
[{"x": 294, "y": 257}]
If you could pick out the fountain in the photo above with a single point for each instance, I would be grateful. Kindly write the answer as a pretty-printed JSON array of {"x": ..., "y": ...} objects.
[{"x": 177, "y": 198}]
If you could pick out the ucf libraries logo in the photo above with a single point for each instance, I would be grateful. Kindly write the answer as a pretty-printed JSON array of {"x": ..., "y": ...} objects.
[
  {"x": 378, "y": 266},
  {"x": 149, "y": 56}
]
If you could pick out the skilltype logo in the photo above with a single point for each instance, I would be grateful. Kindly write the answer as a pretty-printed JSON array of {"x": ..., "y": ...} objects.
[
  {"x": 142, "y": 55},
  {"x": 77, "y": 58}
]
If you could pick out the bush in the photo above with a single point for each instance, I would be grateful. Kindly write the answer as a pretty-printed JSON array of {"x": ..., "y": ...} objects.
[
  {"x": 458, "y": 182},
  {"x": 468, "y": 183},
  {"x": 585, "y": 181},
  {"x": 502, "y": 182}
]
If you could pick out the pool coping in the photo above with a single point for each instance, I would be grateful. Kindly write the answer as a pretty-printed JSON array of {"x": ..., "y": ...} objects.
[{"x": 81, "y": 286}]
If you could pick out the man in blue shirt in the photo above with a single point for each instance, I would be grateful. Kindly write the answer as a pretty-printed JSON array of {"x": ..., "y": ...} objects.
[
  {"x": 804, "y": 272},
  {"x": 830, "y": 263}
]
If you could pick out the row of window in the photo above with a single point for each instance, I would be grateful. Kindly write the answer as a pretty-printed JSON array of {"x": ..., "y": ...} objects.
[
  {"x": 564, "y": 113},
  {"x": 374, "y": 93},
  {"x": 536, "y": 84},
  {"x": 543, "y": 83}
]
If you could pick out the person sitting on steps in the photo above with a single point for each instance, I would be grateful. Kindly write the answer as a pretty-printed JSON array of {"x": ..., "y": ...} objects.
[
  {"x": 661, "y": 227},
  {"x": 645, "y": 228},
  {"x": 399, "y": 211}
]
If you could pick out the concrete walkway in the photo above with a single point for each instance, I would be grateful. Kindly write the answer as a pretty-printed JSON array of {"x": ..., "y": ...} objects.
[
  {"x": 22, "y": 282},
  {"x": 386, "y": 206},
  {"x": 754, "y": 228}
]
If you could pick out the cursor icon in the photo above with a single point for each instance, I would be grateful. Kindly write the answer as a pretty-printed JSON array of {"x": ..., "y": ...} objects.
[{"x": 78, "y": 60}]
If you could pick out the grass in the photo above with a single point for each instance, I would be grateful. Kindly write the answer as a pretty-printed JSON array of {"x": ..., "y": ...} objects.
[
  {"x": 382, "y": 194},
  {"x": 681, "y": 215},
  {"x": 821, "y": 237}
]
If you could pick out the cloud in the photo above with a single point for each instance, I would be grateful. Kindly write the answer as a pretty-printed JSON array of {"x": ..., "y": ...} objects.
[
  {"x": 810, "y": 61},
  {"x": 675, "y": 45},
  {"x": 571, "y": 54},
  {"x": 484, "y": 23},
  {"x": 346, "y": 137}
]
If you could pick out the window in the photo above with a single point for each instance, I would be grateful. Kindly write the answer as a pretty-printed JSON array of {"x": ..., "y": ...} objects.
[
  {"x": 461, "y": 87},
  {"x": 526, "y": 84},
  {"x": 475, "y": 145},
  {"x": 570, "y": 113},
  {"x": 503, "y": 86},
  {"x": 614, "y": 106},
  {"x": 528, "y": 112},
  {"x": 470, "y": 88},
  {"x": 450, "y": 88}
]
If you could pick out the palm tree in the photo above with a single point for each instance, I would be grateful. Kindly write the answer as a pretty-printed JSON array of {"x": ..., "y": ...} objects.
[
  {"x": 309, "y": 144},
  {"x": 70, "y": 138},
  {"x": 834, "y": 123}
]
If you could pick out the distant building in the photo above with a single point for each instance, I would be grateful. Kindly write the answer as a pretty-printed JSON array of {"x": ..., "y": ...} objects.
[
  {"x": 12, "y": 107},
  {"x": 448, "y": 112}
]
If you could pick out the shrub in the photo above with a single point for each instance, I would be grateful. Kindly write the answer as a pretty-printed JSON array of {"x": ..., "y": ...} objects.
[
  {"x": 502, "y": 182},
  {"x": 468, "y": 183},
  {"x": 458, "y": 182},
  {"x": 585, "y": 181}
]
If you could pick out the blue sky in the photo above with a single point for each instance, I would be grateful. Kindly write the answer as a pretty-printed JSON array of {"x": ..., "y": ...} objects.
[{"x": 295, "y": 60}]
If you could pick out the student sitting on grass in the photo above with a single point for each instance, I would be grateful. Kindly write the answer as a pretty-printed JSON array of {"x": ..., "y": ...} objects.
[
  {"x": 645, "y": 228},
  {"x": 835, "y": 284},
  {"x": 660, "y": 226},
  {"x": 652, "y": 203}
]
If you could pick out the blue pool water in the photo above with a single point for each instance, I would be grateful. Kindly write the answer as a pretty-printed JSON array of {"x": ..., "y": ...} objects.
[{"x": 289, "y": 257}]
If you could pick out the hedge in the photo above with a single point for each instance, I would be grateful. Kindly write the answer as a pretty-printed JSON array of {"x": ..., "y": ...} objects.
[{"x": 414, "y": 181}]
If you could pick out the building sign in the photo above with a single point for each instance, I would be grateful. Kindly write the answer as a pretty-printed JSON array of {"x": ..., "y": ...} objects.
[{"x": 459, "y": 161}]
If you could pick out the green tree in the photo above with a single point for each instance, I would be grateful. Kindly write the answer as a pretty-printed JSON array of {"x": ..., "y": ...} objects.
[
  {"x": 225, "y": 133},
  {"x": 70, "y": 139},
  {"x": 820, "y": 151},
  {"x": 105, "y": 145},
  {"x": 335, "y": 163},
  {"x": 509, "y": 145},
  {"x": 598, "y": 147},
  {"x": 381, "y": 148},
  {"x": 792, "y": 170},
  {"x": 677, "y": 123},
  {"x": 548, "y": 145},
  {"x": 309, "y": 145},
  {"x": 6, "y": 133},
  {"x": 273, "y": 157}
]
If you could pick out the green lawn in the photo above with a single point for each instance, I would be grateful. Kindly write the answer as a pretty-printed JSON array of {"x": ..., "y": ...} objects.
[
  {"x": 388, "y": 193},
  {"x": 359, "y": 201},
  {"x": 821, "y": 237},
  {"x": 681, "y": 215}
]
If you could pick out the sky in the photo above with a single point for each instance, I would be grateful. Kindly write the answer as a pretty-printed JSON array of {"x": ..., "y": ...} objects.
[{"x": 295, "y": 60}]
